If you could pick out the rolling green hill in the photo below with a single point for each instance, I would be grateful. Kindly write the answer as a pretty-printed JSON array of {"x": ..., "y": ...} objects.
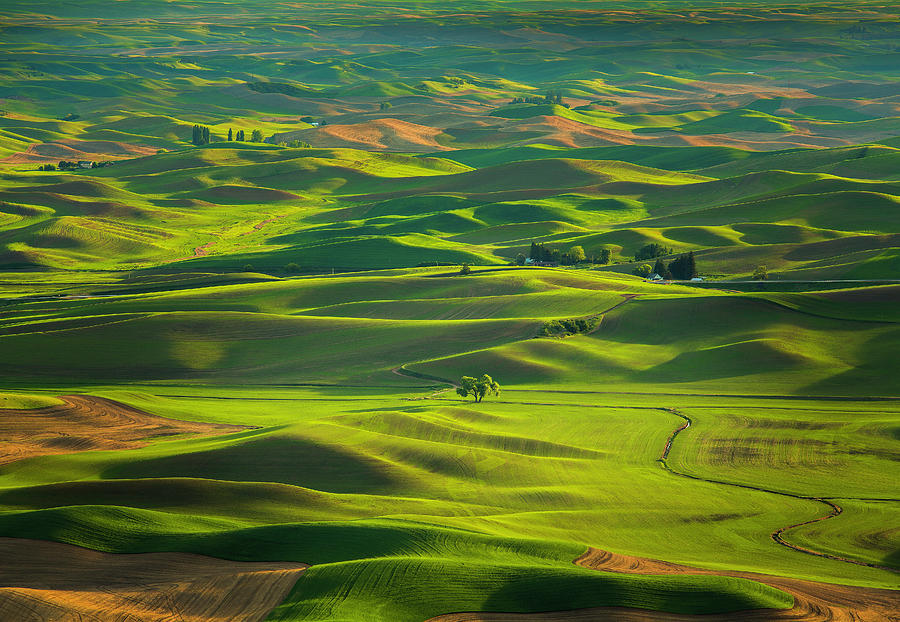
[{"x": 247, "y": 345}]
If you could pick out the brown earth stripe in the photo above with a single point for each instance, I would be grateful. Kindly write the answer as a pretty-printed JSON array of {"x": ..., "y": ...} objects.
[
  {"x": 48, "y": 581},
  {"x": 87, "y": 422}
]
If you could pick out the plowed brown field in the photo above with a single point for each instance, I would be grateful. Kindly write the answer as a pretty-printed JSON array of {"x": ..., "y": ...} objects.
[
  {"x": 44, "y": 581},
  {"x": 813, "y": 601},
  {"x": 85, "y": 422},
  {"x": 70, "y": 149}
]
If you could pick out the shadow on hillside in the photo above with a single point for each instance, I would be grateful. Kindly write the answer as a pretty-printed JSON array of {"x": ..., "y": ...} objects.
[
  {"x": 892, "y": 559},
  {"x": 294, "y": 461}
]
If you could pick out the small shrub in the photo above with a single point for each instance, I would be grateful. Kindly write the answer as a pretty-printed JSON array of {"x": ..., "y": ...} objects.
[{"x": 564, "y": 328}]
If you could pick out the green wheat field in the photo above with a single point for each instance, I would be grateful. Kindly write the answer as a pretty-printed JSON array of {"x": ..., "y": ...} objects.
[{"x": 248, "y": 250}]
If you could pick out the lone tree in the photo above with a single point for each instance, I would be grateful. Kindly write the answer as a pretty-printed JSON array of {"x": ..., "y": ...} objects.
[
  {"x": 643, "y": 270},
  {"x": 256, "y": 136},
  {"x": 477, "y": 387},
  {"x": 761, "y": 273},
  {"x": 576, "y": 254},
  {"x": 466, "y": 269}
]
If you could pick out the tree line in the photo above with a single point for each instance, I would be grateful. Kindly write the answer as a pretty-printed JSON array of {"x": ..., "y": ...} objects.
[
  {"x": 201, "y": 135},
  {"x": 548, "y": 98},
  {"x": 651, "y": 251},
  {"x": 541, "y": 253},
  {"x": 65, "y": 165}
]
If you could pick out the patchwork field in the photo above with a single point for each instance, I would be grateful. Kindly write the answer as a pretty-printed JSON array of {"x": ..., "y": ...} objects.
[{"x": 230, "y": 356}]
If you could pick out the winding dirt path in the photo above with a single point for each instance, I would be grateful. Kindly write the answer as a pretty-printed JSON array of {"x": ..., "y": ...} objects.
[
  {"x": 203, "y": 249},
  {"x": 87, "y": 422},
  {"x": 52, "y": 582},
  {"x": 777, "y": 535},
  {"x": 813, "y": 601},
  {"x": 258, "y": 226}
]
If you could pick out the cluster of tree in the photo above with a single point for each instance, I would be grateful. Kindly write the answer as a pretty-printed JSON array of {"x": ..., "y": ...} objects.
[
  {"x": 650, "y": 251},
  {"x": 295, "y": 144},
  {"x": 65, "y": 165},
  {"x": 255, "y": 136},
  {"x": 70, "y": 117},
  {"x": 681, "y": 268},
  {"x": 576, "y": 254},
  {"x": 477, "y": 387},
  {"x": 561, "y": 328},
  {"x": 548, "y": 98},
  {"x": 200, "y": 135}
]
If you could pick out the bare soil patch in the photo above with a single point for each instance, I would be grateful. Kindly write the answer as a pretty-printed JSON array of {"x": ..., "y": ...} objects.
[
  {"x": 44, "y": 581},
  {"x": 86, "y": 422},
  {"x": 813, "y": 601}
]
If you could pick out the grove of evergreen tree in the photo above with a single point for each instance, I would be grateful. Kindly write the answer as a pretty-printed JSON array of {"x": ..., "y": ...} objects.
[
  {"x": 684, "y": 267},
  {"x": 200, "y": 135},
  {"x": 662, "y": 269},
  {"x": 651, "y": 251}
]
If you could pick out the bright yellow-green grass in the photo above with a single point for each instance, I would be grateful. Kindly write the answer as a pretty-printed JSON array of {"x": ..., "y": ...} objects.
[
  {"x": 472, "y": 495},
  {"x": 315, "y": 295},
  {"x": 452, "y": 500},
  {"x": 228, "y": 206},
  {"x": 752, "y": 344},
  {"x": 26, "y": 400}
]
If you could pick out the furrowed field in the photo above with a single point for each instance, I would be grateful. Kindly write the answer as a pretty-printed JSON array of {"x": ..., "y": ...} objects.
[{"x": 229, "y": 364}]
